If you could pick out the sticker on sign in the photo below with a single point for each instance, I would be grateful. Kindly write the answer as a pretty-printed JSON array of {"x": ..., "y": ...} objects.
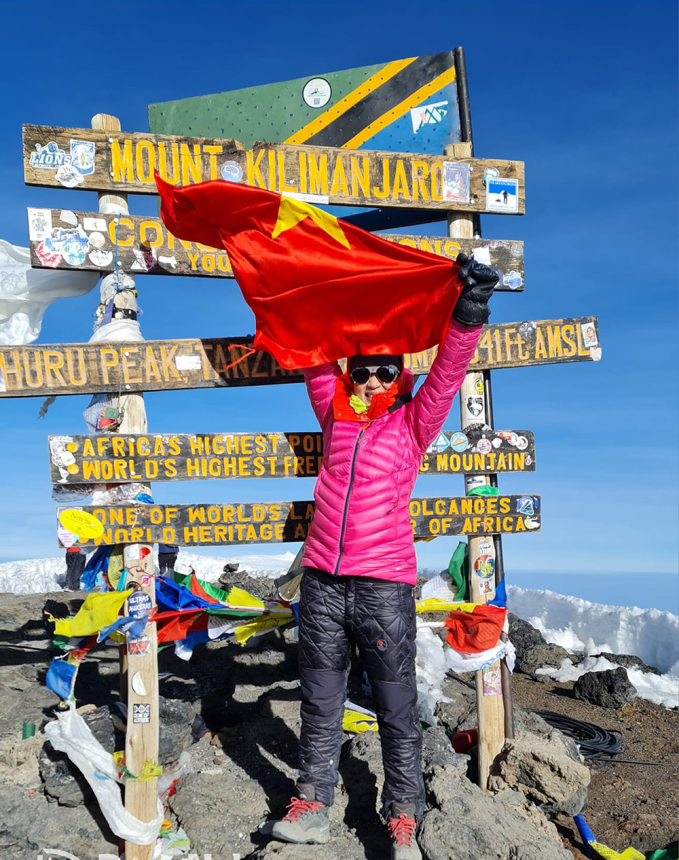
[
  {"x": 428, "y": 115},
  {"x": 502, "y": 195}
]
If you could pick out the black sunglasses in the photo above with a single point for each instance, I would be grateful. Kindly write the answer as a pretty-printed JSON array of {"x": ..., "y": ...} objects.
[{"x": 386, "y": 373}]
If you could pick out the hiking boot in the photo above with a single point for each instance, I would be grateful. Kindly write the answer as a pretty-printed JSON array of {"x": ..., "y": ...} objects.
[
  {"x": 401, "y": 825},
  {"x": 307, "y": 820}
]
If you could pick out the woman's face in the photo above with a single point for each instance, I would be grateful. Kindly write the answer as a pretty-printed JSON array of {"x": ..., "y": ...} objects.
[{"x": 368, "y": 390}]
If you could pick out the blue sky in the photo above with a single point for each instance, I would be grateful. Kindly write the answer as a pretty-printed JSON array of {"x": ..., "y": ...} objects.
[{"x": 584, "y": 93}]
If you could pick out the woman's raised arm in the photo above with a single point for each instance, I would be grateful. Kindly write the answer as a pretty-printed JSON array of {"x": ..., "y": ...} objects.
[{"x": 321, "y": 382}]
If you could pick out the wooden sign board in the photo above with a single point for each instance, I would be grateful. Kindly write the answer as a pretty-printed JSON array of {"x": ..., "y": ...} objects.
[
  {"x": 199, "y": 456},
  {"x": 145, "y": 246},
  {"x": 39, "y": 370},
  {"x": 93, "y": 160},
  {"x": 281, "y": 522}
]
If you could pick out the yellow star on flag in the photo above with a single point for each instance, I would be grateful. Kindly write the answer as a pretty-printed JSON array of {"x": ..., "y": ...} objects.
[{"x": 291, "y": 212}]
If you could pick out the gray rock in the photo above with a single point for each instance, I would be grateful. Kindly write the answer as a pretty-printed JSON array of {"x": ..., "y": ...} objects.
[
  {"x": 175, "y": 719},
  {"x": 527, "y": 723},
  {"x": 460, "y": 713},
  {"x": 608, "y": 689},
  {"x": 467, "y": 824},
  {"x": 220, "y": 816},
  {"x": 544, "y": 771},
  {"x": 531, "y": 649},
  {"x": 31, "y": 825},
  {"x": 437, "y": 752},
  {"x": 62, "y": 781}
]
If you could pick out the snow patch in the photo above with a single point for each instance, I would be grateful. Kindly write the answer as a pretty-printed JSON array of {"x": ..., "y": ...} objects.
[
  {"x": 589, "y": 628},
  {"x": 431, "y": 669}
]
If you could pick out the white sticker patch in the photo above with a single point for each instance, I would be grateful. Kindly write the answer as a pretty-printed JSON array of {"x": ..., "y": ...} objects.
[
  {"x": 306, "y": 198},
  {"x": 69, "y": 217},
  {"x": 39, "y": 224},
  {"x": 595, "y": 353},
  {"x": 132, "y": 552},
  {"x": 97, "y": 239},
  {"x": 141, "y": 713},
  {"x": 138, "y": 684},
  {"x": 428, "y": 115},
  {"x": 482, "y": 255},
  {"x": 589, "y": 337},
  {"x": 502, "y": 195},
  {"x": 317, "y": 92},
  {"x": 188, "y": 362},
  {"x": 94, "y": 224},
  {"x": 101, "y": 259},
  {"x": 455, "y": 182}
]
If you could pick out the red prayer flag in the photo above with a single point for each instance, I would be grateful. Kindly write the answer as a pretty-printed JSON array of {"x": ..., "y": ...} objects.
[
  {"x": 320, "y": 289},
  {"x": 177, "y": 624},
  {"x": 199, "y": 591},
  {"x": 477, "y": 631}
]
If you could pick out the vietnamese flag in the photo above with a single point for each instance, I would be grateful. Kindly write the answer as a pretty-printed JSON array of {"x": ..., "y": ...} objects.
[{"x": 320, "y": 289}]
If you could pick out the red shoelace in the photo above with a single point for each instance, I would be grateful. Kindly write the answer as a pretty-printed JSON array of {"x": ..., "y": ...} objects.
[
  {"x": 299, "y": 807},
  {"x": 402, "y": 829}
]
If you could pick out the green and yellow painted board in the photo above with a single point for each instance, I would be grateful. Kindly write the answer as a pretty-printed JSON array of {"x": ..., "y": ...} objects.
[{"x": 406, "y": 105}]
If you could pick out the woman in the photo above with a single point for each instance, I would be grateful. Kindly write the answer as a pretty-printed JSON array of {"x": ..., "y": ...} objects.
[{"x": 361, "y": 566}]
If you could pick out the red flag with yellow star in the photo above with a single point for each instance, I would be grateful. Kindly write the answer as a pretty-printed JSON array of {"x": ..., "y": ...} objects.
[{"x": 320, "y": 289}]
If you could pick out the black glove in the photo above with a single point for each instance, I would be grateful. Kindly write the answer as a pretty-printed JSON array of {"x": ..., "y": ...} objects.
[{"x": 478, "y": 281}]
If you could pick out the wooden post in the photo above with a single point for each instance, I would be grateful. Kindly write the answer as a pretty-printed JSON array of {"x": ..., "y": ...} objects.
[
  {"x": 481, "y": 550},
  {"x": 141, "y": 742}
]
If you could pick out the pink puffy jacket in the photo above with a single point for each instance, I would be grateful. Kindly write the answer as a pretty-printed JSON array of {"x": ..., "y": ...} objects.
[{"x": 361, "y": 524}]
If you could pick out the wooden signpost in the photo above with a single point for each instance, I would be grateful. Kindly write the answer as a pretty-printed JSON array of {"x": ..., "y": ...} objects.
[
  {"x": 90, "y": 160},
  {"x": 198, "y": 456},
  {"x": 139, "y": 658},
  {"x": 143, "y": 244},
  {"x": 39, "y": 370},
  {"x": 282, "y": 522}
]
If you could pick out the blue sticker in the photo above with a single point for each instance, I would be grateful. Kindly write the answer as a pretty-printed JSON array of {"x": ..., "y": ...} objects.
[
  {"x": 527, "y": 505},
  {"x": 232, "y": 171},
  {"x": 513, "y": 280},
  {"x": 49, "y": 156},
  {"x": 73, "y": 244},
  {"x": 139, "y": 604},
  {"x": 459, "y": 442},
  {"x": 440, "y": 444},
  {"x": 82, "y": 156},
  {"x": 502, "y": 195}
]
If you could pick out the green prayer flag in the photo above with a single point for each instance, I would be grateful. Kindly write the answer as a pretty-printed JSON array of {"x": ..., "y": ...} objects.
[
  {"x": 484, "y": 491},
  {"x": 458, "y": 568}
]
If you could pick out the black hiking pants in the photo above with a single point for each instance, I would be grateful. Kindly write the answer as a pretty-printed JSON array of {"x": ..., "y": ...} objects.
[{"x": 336, "y": 612}]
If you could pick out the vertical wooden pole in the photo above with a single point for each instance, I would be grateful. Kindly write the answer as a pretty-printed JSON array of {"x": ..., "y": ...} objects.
[
  {"x": 481, "y": 549},
  {"x": 141, "y": 743}
]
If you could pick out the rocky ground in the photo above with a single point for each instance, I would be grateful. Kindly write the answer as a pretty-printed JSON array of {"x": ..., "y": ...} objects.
[{"x": 244, "y": 767}]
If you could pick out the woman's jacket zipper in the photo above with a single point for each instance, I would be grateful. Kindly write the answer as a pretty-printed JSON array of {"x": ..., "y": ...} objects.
[{"x": 346, "y": 504}]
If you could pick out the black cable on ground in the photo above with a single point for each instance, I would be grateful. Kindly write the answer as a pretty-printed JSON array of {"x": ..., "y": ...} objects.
[{"x": 593, "y": 741}]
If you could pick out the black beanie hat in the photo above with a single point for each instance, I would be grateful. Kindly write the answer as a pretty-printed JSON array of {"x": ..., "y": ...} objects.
[{"x": 375, "y": 360}]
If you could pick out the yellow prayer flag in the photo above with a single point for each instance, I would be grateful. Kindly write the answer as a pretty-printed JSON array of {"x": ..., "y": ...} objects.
[
  {"x": 259, "y": 625},
  {"x": 433, "y": 604},
  {"x": 240, "y": 599},
  {"x": 98, "y": 611}
]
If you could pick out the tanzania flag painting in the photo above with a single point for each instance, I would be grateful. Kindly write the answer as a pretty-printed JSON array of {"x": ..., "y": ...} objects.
[{"x": 401, "y": 106}]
